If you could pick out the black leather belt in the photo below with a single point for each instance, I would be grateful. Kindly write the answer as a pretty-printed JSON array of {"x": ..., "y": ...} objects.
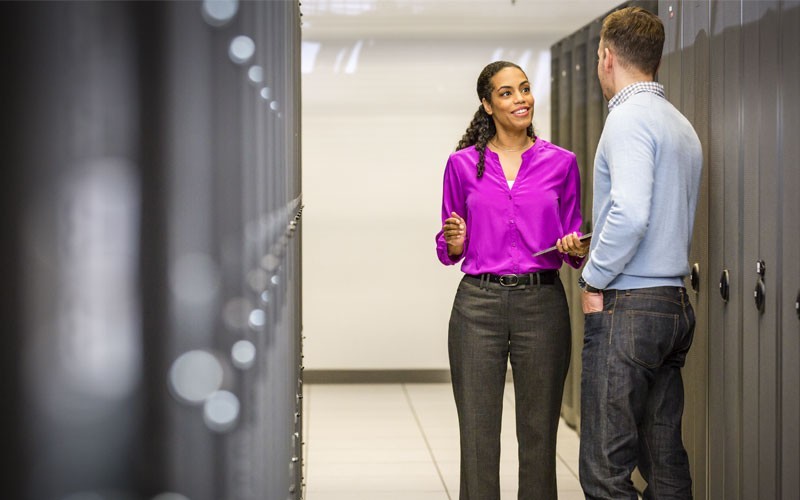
[{"x": 512, "y": 280}]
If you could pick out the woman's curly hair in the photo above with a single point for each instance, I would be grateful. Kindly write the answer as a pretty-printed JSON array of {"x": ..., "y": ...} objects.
[{"x": 482, "y": 127}]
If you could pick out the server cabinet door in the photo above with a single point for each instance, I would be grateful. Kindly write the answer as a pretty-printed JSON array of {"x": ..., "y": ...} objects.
[
  {"x": 578, "y": 81},
  {"x": 562, "y": 130},
  {"x": 565, "y": 94},
  {"x": 725, "y": 333},
  {"x": 790, "y": 235},
  {"x": 769, "y": 445},
  {"x": 695, "y": 106},
  {"x": 595, "y": 105},
  {"x": 669, "y": 73},
  {"x": 760, "y": 146},
  {"x": 72, "y": 147},
  {"x": 555, "y": 85},
  {"x": 578, "y": 84}
]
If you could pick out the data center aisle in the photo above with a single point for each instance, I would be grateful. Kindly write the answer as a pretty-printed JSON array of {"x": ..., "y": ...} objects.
[{"x": 400, "y": 442}]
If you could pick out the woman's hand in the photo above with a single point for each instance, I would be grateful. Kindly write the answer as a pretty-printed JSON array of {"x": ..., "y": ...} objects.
[
  {"x": 455, "y": 234},
  {"x": 572, "y": 245}
]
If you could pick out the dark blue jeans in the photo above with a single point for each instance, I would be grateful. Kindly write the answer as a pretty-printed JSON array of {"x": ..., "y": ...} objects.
[
  {"x": 490, "y": 325},
  {"x": 632, "y": 394}
]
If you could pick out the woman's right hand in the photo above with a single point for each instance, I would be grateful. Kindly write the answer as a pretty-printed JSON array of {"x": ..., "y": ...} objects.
[
  {"x": 572, "y": 245},
  {"x": 455, "y": 234}
]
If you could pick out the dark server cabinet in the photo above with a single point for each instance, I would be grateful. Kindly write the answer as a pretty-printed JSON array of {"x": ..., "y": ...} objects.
[
  {"x": 596, "y": 111},
  {"x": 555, "y": 86},
  {"x": 733, "y": 69},
  {"x": 760, "y": 237},
  {"x": 725, "y": 230},
  {"x": 71, "y": 153},
  {"x": 565, "y": 94},
  {"x": 564, "y": 133},
  {"x": 747, "y": 453},
  {"x": 694, "y": 104},
  {"x": 788, "y": 276},
  {"x": 579, "y": 79},
  {"x": 152, "y": 163},
  {"x": 669, "y": 72},
  {"x": 683, "y": 72}
]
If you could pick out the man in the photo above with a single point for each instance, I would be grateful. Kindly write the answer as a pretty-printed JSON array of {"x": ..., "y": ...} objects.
[{"x": 639, "y": 323}]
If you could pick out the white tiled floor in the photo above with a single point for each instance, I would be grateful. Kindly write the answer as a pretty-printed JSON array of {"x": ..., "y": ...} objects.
[{"x": 400, "y": 442}]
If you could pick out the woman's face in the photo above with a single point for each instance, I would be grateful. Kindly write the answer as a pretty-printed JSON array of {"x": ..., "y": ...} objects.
[{"x": 511, "y": 106}]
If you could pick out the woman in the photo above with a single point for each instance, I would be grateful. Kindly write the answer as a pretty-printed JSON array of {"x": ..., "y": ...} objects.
[{"x": 507, "y": 195}]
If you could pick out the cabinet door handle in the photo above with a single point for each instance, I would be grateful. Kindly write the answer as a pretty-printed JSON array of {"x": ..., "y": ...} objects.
[
  {"x": 760, "y": 295},
  {"x": 725, "y": 285},
  {"x": 695, "y": 279}
]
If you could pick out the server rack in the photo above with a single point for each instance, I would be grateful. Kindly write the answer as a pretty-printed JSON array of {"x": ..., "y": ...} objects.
[
  {"x": 561, "y": 129},
  {"x": 684, "y": 73},
  {"x": 153, "y": 206},
  {"x": 733, "y": 69},
  {"x": 725, "y": 185},
  {"x": 788, "y": 276}
]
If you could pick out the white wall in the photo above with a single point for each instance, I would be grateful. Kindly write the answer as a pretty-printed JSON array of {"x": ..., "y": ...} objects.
[{"x": 380, "y": 117}]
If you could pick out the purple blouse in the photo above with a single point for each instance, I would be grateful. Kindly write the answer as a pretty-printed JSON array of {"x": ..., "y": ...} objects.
[{"x": 505, "y": 226}]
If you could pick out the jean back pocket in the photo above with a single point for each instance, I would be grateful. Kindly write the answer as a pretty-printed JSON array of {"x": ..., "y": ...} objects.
[{"x": 651, "y": 336}]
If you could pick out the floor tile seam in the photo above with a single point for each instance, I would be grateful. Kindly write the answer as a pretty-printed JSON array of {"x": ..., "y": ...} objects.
[
  {"x": 425, "y": 438},
  {"x": 568, "y": 466}
]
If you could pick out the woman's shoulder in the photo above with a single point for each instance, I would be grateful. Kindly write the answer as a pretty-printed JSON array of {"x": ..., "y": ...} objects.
[
  {"x": 555, "y": 150},
  {"x": 469, "y": 153},
  {"x": 465, "y": 158}
]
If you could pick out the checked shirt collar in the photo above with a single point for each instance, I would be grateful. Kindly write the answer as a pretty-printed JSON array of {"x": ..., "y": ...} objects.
[{"x": 635, "y": 88}]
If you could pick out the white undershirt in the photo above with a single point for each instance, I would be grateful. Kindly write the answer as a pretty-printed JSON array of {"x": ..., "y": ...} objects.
[{"x": 510, "y": 183}]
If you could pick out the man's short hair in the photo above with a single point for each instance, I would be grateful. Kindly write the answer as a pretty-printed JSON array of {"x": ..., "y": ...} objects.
[{"x": 636, "y": 36}]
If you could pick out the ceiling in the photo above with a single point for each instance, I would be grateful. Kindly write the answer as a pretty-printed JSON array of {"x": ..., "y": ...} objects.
[{"x": 432, "y": 19}]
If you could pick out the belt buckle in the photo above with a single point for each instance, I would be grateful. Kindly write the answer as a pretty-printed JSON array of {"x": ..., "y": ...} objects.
[{"x": 509, "y": 280}]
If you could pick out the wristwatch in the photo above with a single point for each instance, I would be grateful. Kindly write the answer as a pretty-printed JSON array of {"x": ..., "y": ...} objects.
[{"x": 586, "y": 287}]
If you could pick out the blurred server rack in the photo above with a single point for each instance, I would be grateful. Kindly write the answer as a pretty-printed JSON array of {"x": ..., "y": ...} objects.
[{"x": 152, "y": 206}]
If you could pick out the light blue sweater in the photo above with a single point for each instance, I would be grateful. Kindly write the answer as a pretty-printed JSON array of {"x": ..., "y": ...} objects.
[{"x": 646, "y": 182}]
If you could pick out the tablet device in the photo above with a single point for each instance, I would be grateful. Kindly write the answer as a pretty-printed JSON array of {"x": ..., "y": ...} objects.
[{"x": 582, "y": 238}]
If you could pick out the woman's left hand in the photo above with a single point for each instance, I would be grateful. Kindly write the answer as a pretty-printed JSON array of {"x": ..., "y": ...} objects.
[{"x": 572, "y": 245}]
